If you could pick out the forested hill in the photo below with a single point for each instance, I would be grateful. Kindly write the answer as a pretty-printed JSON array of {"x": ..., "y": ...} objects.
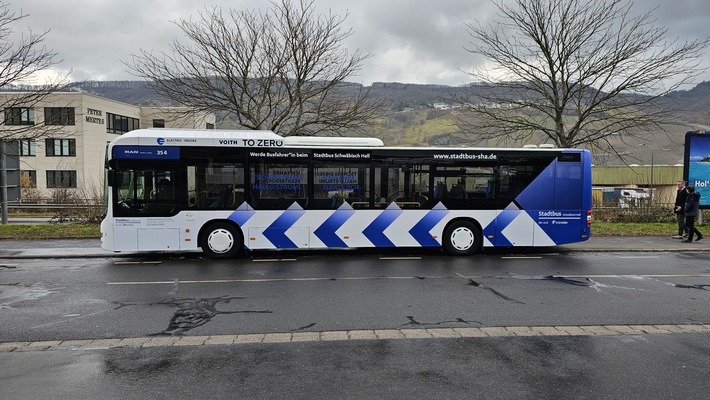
[{"x": 694, "y": 103}]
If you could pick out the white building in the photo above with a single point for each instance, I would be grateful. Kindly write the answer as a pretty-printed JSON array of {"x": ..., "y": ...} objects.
[{"x": 72, "y": 156}]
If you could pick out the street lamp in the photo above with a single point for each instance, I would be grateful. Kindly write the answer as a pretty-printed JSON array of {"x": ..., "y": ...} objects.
[{"x": 651, "y": 183}]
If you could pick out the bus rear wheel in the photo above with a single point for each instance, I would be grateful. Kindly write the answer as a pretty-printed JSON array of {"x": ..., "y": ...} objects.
[
  {"x": 221, "y": 240},
  {"x": 462, "y": 238}
]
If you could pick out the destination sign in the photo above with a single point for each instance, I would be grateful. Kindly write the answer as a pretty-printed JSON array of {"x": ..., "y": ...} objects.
[{"x": 146, "y": 152}]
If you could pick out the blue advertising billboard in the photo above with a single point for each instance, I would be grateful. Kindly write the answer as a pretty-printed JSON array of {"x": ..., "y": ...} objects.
[{"x": 696, "y": 168}]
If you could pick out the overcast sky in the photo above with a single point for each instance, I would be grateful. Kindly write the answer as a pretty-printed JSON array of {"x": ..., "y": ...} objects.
[{"x": 412, "y": 41}]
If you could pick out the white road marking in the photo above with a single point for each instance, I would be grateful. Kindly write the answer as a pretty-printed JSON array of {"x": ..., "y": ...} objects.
[
  {"x": 364, "y": 278},
  {"x": 638, "y": 257},
  {"x": 356, "y": 278},
  {"x": 520, "y": 257}
]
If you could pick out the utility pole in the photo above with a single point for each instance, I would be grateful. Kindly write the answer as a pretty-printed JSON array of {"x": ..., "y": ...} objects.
[
  {"x": 651, "y": 181},
  {"x": 3, "y": 182}
]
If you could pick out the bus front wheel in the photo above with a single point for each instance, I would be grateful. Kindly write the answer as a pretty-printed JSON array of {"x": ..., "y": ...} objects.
[
  {"x": 221, "y": 240},
  {"x": 462, "y": 238}
]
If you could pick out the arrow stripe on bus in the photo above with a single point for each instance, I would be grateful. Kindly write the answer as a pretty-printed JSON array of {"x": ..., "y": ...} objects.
[
  {"x": 242, "y": 214},
  {"x": 496, "y": 227},
  {"x": 276, "y": 232},
  {"x": 375, "y": 231},
  {"x": 326, "y": 232},
  {"x": 421, "y": 231}
]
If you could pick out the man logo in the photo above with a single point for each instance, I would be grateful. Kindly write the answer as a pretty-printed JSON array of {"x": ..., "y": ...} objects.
[{"x": 161, "y": 141}]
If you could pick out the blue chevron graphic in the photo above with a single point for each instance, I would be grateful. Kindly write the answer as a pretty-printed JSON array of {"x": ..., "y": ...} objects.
[
  {"x": 496, "y": 227},
  {"x": 539, "y": 193},
  {"x": 326, "y": 232},
  {"x": 242, "y": 214},
  {"x": 375, "y": 231},
  {"x": 421, "y": 230},
  {"x": 276, "y": 232}
]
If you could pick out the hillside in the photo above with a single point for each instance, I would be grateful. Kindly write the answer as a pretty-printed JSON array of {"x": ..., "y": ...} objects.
[
  {"x": 415, "y": 121},
  {"x": 694, "y": 102}
]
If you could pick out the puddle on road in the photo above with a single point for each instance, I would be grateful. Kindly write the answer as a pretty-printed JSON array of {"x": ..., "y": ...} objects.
[{"x": 11, "y": 294}]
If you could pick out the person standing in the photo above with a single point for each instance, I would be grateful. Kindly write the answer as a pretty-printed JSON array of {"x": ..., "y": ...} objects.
[
  {"x": 680, "y": 197},
  {"x": 692, "y": 206}
]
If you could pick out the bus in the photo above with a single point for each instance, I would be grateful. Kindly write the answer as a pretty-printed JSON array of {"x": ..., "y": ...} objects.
[{"x": 231, "y": 192}]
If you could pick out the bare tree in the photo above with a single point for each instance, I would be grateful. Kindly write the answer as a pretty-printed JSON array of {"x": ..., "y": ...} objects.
[
  {"x": 283, "y": 70},
  {"x": 21, "y": 58},
  {"x": 575, "y": 73}
]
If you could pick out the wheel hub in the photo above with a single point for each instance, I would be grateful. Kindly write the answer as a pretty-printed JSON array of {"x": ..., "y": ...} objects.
[
  {"x": 220, "y": 241},
  {"x": 462, "y": 239}
]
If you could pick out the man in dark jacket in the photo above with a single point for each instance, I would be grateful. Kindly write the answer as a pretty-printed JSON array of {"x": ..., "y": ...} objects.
[
  {"x": 692, "y": 207},
  {"x": 680, "y": 197}
]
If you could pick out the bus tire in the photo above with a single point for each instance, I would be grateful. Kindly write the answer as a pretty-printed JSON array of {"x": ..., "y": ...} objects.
[
  {"x": 221, "y": 240},
  {"x": 462, "y": 238}
]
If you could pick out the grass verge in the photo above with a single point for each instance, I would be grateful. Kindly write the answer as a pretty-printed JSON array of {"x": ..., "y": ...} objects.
[
  {"x": 49, "y": 231},
  {"x": 603, "y": 228}
]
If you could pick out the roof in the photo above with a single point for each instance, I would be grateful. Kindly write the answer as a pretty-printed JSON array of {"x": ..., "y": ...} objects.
[
  {"x": 199, "y": 137},
  {"x": 624, "y": 175}
]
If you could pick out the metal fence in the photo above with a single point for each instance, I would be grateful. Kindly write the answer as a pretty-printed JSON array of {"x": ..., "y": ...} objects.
[
  {"x": 84, "y": 213},
  {"x": 659, "y": 212},
  {"x": 41, "y": 207}
]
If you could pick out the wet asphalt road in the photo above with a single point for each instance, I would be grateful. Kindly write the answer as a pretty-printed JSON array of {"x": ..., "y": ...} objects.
[
  {"x": 628, "y": 367},
  {"x": 67, "y": 299}
]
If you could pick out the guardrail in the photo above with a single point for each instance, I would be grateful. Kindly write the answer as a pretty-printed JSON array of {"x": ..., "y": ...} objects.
[{"x": 83, "y": 213}]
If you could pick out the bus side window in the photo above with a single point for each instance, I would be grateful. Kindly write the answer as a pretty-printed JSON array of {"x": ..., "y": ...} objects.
[
  {"x": 164, "y": 190},
  {"x": 276, "y": 185},
  {"x": 162, "y": 200},
  {"x": 568, "y": 184},
  {"x": 456, "y": 192},
  {"x": 440, "y": 191}
]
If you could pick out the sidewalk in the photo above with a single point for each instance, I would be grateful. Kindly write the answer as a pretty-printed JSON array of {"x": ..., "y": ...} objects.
[{"x": 91, "y": 248}]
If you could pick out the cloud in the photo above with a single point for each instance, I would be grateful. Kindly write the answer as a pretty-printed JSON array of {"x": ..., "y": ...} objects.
[{"x": 413, "y": 41}]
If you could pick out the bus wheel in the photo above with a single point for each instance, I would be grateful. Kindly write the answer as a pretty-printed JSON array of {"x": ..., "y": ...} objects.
[
  {"x": 462, "y": 238},
  {"x": 221, "y": 240}
]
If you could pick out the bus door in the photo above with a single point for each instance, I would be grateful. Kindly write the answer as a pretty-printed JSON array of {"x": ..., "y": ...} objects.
[
  {"x": 572, "y": 190},
  {"x": 404, "y": 182},
  {"x": 145, "y": 192},
  {"x": 141, "y": 190},
  {"x": 214, "y": 178}
]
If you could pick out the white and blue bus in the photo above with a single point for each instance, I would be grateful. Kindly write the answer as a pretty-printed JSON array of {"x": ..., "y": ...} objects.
[{"x": 227, "y": 192}]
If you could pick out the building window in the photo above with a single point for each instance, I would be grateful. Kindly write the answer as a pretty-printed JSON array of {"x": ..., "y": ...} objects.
[
  {"x": 61, "y": 179},
  {"x": 158, "y": 123},
  {"x": 28, "y": 147},
  {"x": 20, "y": 116},
  {"x": 59, "y": 115},
  {"x": 60, "y": 147},
  {"x": 28, "y": 179},
  {"x": 120, "y": 124},
  {"x": 209, "y": 126}
]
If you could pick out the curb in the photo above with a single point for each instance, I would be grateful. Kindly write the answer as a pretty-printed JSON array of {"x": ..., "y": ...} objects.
[
  {"x": 79, "y": 253},
  {"x": 353, "y": 335}
]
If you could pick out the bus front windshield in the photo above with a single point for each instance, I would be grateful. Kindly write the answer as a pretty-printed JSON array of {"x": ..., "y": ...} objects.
[{"x": 145, "y": 192}]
